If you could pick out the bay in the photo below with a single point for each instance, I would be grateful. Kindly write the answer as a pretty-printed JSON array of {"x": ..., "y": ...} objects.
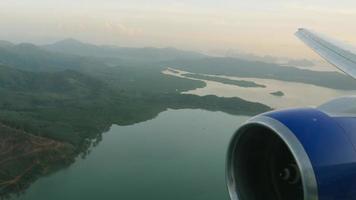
[{"x": 178, "y": 155}]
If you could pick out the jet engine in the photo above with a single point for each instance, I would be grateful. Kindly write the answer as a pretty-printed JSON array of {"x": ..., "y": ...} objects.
[{"x": 296, "y": 154}]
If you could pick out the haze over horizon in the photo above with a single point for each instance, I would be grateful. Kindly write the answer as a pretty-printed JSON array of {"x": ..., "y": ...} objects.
[{"x": 259, "y": 27}]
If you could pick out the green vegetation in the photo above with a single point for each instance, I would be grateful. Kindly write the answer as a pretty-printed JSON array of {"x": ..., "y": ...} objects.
[
  {"x": 25, "y": 156},
  {"x": 239, "y": 83},
  {"x": 54, "y": 105},
  {"x": 57, "y": 106},
  {"x": 57, "y": 100},
  {"x": 33, "y": 58},
  {"x": 72, "y": 107},
  {"x": 142, "y": 79}
]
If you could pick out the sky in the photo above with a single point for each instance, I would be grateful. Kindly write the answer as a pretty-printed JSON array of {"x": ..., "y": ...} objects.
[{"x": 262, "y": 27}]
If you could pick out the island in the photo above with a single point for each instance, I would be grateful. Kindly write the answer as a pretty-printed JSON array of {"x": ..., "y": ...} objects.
[
  {"x": 277, "y": 93},
  {"x": 240, "y": 83}
]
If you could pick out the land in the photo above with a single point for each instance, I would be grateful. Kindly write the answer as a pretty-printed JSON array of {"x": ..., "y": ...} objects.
[
  {"x": 55, "y": 107},
  {"x": 25, "y": 156},
  {"x": 300, "y": 62},
  {"x": 240, "y": 83},
  {"x": 277, "y": 93},
  {"x": 256, "y": 69},
  {"x": 57, "y": 100}
]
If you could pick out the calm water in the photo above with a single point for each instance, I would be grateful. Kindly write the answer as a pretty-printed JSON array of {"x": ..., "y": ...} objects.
[
  {"x": 295, "y": 94},
  {"x": 178, "y": 155}
]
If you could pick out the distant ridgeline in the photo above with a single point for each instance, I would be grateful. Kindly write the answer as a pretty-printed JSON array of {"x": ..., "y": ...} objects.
[{"x": 55, "y": 106}]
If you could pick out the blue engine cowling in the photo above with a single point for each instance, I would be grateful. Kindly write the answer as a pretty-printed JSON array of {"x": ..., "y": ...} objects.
[{"x": 296, "y": 154}]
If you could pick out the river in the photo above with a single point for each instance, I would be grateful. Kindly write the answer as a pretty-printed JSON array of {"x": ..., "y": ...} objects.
[
  {"x": 178, "y": 155},
  {"x": 295, "y": 94}
]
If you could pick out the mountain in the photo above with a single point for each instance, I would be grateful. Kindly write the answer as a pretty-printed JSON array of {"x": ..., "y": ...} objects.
[
  {"x": 54, "y": 106},
  {"x": 57, "y": 105},
  {"x": 4, "y": 43},
  {"x": 45, "y": 119},
  {"x": 30, "y": 57},
  {"x": 114, "y": 53},
  {"x": 300, "y": 63},
  {"x": 266, "y": 58},
  {"x": 68, "y": 82},
  {"x": 96, "y": 61}
]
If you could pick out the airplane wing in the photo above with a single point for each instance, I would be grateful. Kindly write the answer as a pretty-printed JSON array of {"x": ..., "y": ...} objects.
[{"x": 335, "y": 52}]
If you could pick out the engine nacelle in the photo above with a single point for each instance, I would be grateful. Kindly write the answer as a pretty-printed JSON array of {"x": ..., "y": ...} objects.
[{"x": 296, "y": 154}]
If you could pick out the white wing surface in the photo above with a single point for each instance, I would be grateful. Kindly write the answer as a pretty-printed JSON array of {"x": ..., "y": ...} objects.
[{"x": 335, "y": 52}]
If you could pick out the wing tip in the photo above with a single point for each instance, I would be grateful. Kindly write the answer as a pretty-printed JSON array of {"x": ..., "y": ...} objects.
[
  {"x": 300, "y": 30},
  {"x": 334, "y": 53}
]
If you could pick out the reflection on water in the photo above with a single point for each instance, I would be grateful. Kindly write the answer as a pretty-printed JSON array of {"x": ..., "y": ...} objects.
[
  {"x": 178, "y": 155},
  {"x": 295, "y": 94}
]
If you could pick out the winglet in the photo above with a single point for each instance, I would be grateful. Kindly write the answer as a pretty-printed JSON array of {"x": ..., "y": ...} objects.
[{"x": 335, "y": 52}]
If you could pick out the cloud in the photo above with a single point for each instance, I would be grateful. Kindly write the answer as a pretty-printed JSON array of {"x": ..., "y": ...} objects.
[
  {"x": 322, "y": 9},
  {"x": 122, "y": 29}
]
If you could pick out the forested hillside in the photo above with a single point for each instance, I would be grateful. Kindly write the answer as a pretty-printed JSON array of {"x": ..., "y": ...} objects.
[
  {"x": 55, "y": 107},
  {"x": 55, "y": 103}
]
